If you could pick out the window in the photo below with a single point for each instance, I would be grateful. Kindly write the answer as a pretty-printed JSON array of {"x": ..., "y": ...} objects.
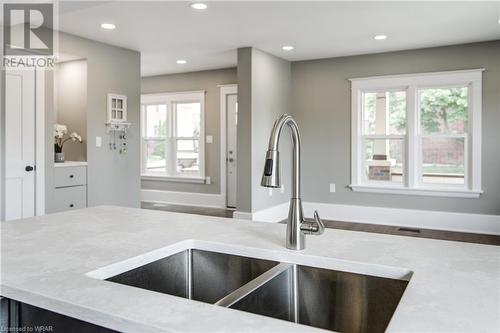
[
  {"x": 172, "y": 136},
  {"x": 417, "y": 134}
]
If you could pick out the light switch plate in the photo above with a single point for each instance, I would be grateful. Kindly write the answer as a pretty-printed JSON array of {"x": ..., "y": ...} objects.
[
  {"x": 270, "y": 192},
  {"x": 332, "y": 188},
  {"x": 98, "y": 141},
  {"x": 210, "y": 139},
  {"x": 208, "y": 180},
  {"x": 282, "y": 188}
]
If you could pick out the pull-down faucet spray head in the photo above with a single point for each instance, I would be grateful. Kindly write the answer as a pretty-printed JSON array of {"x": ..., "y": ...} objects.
[{"x": 271, "y": 174}]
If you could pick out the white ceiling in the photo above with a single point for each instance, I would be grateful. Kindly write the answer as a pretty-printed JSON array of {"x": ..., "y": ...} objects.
[{"x": 166, "y": 31}]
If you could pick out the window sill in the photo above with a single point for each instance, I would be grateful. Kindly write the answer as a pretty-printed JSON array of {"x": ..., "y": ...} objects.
[
  {"x": 432, "y": 192},
  {"x": 193, "y": 180}
]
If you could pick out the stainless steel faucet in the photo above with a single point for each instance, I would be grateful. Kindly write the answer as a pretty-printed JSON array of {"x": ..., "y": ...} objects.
[{"x": 297, "y": 226}]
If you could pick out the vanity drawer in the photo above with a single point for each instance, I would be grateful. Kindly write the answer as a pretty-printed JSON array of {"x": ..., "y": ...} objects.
[
  {"x": 67, "y": 198},
  {"x": 70, "y": 176}
]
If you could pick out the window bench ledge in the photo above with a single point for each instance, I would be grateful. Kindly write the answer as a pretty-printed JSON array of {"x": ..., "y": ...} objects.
[
  {"x": 433, "y": 192},
  {"x": 194, "y": 180}
]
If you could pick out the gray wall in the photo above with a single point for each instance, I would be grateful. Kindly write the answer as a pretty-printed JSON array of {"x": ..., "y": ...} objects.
[
  {"x": 112, "y": 178},
  {"x": 264, "y": 87},
  {"x": 203, "y": 80},
  {"x": 244, "y": 133},
  {"x": 321, "y": 104},
  {"x": 70, "y": 105}
]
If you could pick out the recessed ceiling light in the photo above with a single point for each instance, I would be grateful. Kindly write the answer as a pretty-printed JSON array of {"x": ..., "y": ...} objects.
[
  {"x": 181, "y": 62},
  {"x": 380, "y": 37},
  {"x": 199, "y": 5},
  {"x": 287, "y": 48},
  {"x": 108, "y": 26}
]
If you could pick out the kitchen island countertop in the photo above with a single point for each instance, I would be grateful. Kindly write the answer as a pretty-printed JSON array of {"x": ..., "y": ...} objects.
[{"x": 46, "y": 261}]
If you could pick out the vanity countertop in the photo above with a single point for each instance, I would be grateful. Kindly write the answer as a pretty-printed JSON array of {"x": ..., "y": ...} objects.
[
  {"x": 70, "y": 164},
  {"x": 46, "y": 260}
]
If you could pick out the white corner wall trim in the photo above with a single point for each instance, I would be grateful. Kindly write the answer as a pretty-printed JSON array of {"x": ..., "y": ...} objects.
[
  {"x": 40, "y": 142},
  {"x": 414, "y": 218},
  {"x": 245, "y": 216},
  {"x": 272, "y": 214},
  {"x": 184, "y": 198}
]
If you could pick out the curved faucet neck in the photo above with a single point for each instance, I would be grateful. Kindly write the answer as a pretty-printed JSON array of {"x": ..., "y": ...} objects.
[
  {"x": 297, "y": 226},
  {"x": 274, "y": 143}
]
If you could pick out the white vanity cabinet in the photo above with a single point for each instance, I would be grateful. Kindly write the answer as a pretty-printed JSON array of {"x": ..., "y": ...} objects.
[{"x": 70, "y": 180}]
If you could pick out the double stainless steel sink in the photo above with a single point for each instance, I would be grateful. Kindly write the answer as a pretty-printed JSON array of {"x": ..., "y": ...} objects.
[{"x": 329, "y": 299}]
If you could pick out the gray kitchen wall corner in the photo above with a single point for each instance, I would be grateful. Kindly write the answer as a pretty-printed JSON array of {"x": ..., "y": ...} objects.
[
  {"x": 113, "y": 179},
  {"x": 264, "y": 93}
]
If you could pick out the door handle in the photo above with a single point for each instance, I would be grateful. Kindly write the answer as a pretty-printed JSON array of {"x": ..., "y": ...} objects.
[{"x": 29, "y": 168}]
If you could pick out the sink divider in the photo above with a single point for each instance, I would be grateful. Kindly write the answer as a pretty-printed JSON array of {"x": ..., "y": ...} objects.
[
  {"x": 254, "y": 284},
  {"x": 189, "y": 273},
  {"x": 295, "y": 294}
]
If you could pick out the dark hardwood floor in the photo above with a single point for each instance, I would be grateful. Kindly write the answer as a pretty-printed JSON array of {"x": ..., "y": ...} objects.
[
  {"x": 382, "y": 229},
  {"x": 413, "y": 232}
]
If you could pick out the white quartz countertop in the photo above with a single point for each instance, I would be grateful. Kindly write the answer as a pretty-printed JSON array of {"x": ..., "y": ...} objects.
[
  {"x": 46, "y": 261},
  {"x": 70, "y": 164}
]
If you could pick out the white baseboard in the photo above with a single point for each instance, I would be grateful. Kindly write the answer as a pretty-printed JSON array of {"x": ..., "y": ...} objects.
[
  {"x": 272, "y": 214},
  {"x": 422, "y": 219},
  {"x": 243, "y": 215},
  {"x": 184, "y": 198}
]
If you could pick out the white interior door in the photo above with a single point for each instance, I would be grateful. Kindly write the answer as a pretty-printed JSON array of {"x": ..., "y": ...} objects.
[
  {"x": 232, "y": 121},
  {"x": 19, "y": 144}
]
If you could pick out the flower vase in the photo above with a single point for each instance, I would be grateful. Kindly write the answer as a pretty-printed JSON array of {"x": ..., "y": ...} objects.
[{"x": 59, "y": 155}]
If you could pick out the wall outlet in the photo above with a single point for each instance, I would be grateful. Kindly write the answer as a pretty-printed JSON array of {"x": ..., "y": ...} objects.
[
  {"x": 332, "y": 188},
  {"x": 98, "y": 141},
  {"x": 210, "y": 139},
  {"x": 208, "y": 180}
]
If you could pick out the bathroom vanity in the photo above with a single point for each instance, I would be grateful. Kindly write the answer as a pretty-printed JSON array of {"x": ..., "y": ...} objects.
[{"x": 131, "y": 270}]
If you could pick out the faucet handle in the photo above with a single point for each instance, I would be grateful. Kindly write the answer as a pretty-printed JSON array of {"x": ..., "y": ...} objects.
[
  {"x": 319, "y": 222},
  {"x": 316, "y": 227}
]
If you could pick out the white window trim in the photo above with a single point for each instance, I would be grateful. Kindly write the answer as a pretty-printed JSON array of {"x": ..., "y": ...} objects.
[
  {"x": 170, "y": 99},
  {"x": 411, "y": 83}
]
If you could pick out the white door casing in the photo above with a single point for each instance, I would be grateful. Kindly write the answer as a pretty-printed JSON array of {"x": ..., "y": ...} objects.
[
  {"x": 19, "y": 144},
  {"x": 232, "y": 121},
  {"x": 225, "y": 90}
]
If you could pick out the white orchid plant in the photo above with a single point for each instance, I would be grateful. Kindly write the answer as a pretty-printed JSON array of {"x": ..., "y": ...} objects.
[{"x": 59, "y": 132}]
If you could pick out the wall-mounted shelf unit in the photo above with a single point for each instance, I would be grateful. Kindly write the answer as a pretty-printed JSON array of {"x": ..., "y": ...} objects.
[{"x": 117, "y": 126}]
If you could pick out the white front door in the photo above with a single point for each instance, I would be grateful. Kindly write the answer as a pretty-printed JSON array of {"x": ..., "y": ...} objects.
[
  {"x": 232, "y": 121},
  {"x": 19, "y": 144}
]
